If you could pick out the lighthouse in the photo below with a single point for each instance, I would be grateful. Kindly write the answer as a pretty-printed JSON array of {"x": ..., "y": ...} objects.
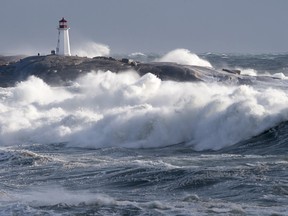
[{"x": 63, "y": 44}]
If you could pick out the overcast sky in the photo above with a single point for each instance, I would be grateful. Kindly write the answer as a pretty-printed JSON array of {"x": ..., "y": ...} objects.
[{"x": 222, "y": 26}]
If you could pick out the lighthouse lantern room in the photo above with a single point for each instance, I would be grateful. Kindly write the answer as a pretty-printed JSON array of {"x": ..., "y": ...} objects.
[{"x": 63, "y": 43}]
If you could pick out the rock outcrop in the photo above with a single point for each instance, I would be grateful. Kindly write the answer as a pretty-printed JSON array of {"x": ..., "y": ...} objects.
[{"x": 60, "y": 70}]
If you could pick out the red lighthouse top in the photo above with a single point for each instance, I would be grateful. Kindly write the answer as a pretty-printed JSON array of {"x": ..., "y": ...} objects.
[{"x": 63, "y": 23}]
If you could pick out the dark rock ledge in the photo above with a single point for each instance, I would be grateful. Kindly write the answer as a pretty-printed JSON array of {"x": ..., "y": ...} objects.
[{"x": 59, "y": 70}]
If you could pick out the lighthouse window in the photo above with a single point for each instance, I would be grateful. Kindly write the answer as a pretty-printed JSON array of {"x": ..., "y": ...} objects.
[{"x": 63, "y": 24}]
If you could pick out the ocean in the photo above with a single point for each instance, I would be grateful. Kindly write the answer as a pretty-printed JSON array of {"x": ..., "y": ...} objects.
[{"x": 120, "y": 144}]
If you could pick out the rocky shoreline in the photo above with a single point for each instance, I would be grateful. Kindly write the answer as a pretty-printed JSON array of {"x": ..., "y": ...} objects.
[{"x": 60, "y": 70}]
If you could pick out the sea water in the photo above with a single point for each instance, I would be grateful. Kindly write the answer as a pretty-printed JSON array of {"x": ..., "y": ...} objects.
[{"x": 121, "y": 144}]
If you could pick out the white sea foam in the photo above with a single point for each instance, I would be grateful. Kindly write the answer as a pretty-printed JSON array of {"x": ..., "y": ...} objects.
[
  {"x": 248, "y": 71},
  {"x": 185, "y": 57},
  {"x": 108, "y": 109},
  {"x": 55, "y": 195},
  {"x": 137, "y": 54},
  {"x": 91, "y": 49},
  {"x": 253, "y": 72},
  {"x": 279, "y": 76}
]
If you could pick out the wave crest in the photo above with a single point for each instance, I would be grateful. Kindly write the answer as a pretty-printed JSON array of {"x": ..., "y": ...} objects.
[
  {"x": 185, "y": 57},
  {"x": 106, "y": 109},
  {"x": 91, "y": 49}
]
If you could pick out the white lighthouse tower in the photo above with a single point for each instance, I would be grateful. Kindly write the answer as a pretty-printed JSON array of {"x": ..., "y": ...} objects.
[{"x": 63, "y": 44}]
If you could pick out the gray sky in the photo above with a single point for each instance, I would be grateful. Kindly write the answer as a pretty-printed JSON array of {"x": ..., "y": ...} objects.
[{"x": 223, "y": 26}]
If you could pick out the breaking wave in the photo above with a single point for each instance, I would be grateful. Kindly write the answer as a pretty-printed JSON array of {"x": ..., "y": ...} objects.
[
  {"x": 91, "y": 49},
  {"x": 107, "y": 109},
  {"x": 185, "y": 57}
]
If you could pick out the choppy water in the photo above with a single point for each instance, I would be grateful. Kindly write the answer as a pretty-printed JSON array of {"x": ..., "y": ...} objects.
[{"x": 120, "y": 144}]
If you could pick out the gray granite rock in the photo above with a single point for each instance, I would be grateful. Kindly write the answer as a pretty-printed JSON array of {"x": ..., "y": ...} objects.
[{"x": 60, "y": 70}]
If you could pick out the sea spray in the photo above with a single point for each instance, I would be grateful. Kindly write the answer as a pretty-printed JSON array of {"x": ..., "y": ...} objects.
[
  {"x": 106, "y": 109},
  {"x": 91, "y": 49},
  {"x": 185, "y": 57}
]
